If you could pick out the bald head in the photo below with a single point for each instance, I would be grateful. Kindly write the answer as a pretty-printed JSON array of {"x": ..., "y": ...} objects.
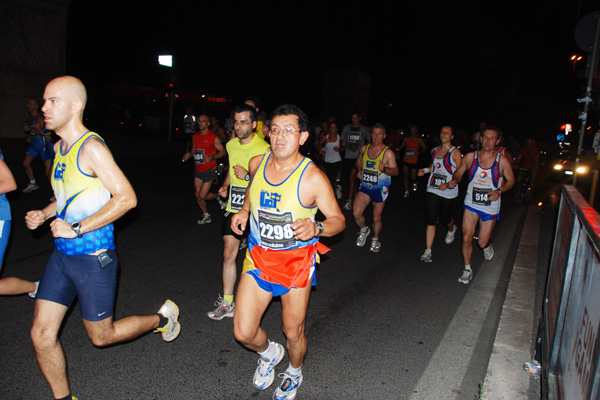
[
  {"x": 72, "y": 87},
  {"x": 64, "y": 101}
]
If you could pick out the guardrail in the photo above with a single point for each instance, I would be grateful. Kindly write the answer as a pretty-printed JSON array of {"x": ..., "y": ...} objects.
[{"x": 571, "y": 308}]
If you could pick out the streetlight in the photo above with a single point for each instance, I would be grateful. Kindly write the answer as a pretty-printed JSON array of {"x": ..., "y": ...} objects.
[{"x": 167, "y": 61}]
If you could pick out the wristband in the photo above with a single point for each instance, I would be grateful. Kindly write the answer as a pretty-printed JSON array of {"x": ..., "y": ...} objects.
[{"x": 426, "y": 170}]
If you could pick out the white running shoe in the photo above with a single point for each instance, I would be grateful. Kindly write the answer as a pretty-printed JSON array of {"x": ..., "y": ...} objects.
[
  {"x": 206, "y": 219},
  {"x": 264, "y": 375},
  {"x": 375, "y": 245},
  {"x": 466, "y": 277},
  {"x": 488, "y": 252},
  {"x": 223, "y": 310},
  {"x": 348, "y": 205},
  {"x": 222, "y": 203},
  {"x": 171, "y": 330},
  {"x": 450, "y": 235},
  {"x": 288, "y": 386},
  {"x": 338, "y": 191},
  {"x": 426, "y": 257},
  {"x": 362, "y": 237},
  {"x": 31, "y": 187}
]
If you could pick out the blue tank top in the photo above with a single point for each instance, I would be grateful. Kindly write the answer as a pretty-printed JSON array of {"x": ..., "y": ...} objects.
[{"x": 4, "y": 205}]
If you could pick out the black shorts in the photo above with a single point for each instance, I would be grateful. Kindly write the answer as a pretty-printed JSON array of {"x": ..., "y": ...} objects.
[
  {"x": 226, "y": 227},
  {"x": 348, "y": 164},
  {"x": 438, "y": 209}
]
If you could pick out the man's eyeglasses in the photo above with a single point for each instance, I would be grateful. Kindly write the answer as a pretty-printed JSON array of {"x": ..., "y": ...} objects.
[
  {"x": 242, "y": 123},
  {"x": 285, "y": 131}
]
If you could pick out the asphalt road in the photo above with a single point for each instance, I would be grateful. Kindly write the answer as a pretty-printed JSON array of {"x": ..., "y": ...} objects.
[{"x": 379, "y": 326}]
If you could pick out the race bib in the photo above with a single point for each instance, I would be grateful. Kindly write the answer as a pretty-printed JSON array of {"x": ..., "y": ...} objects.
[
  {"x": 199, "y": 156},
  {"x": 370, "y": 177},
  {"x": 237, "y": 196},
  {"x": 437, "y": 180},
  {"x": 275, "y": 230},
  {"x": 353, "y": 137},
  {"x": 480, "y": 196},
  {"x": 409, "y": 153}
]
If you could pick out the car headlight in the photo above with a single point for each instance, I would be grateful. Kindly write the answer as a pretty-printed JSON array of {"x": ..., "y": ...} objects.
[
  {"x": 582, "y": 170},
  {"x": 558, "y": 167}
]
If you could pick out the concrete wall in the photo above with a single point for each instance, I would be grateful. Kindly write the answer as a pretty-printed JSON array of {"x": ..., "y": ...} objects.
[{"x": 32, "y": 51}]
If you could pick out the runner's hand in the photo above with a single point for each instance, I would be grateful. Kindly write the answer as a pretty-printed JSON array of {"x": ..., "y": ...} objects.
[
  {"x": 62, "y": 229},
  {"x": 304, "y": 229}
]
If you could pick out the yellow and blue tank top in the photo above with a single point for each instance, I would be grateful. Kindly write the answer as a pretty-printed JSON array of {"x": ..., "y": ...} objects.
[
  {"x": 372, "y": 177},
  {"x": 241, "y": 154},
  {"x": 274, "y": 207},
  {"x": 79, "y": 195}
]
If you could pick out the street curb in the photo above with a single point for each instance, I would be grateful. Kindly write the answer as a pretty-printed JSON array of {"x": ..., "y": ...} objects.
[{"x": 506, "y": 378}]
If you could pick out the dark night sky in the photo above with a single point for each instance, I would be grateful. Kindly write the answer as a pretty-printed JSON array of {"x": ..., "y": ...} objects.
[{"x": 435, "y": 61}]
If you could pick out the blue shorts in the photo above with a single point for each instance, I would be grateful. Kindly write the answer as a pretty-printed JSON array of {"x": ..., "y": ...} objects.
[
  {"x": 275, "y": 288},
  {"x": 377, "y": 195},
  {"x": 41, "y": 147},
  {"x": 81, "y": 275},
  {"x": 4, "y": 235},
  {"x": 482, "y": 215},
  {"x": 206, "y": 176}
]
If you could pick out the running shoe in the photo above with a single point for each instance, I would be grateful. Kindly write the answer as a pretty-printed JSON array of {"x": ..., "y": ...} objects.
[
  {"x": 427, "y": 257},
  {"x": 223, "y": 310},
  {"x": 338, "y": 191},
  {"x": 34, "y": 293},
  {"x": 222, "y": 203},
  {"x": 264, "y": 375},
  {"x": 31, "y": 187},
  {"x": 450, "y": 235},
  {"x": 488, "y": 252},
  {"x": 375, "y": 245},
  {"x": 206, "y": 219},
  {"x": 171, "y": 330},
  {"x": 466, "y": 277},
  {"x": 348, "y": 205},
  {"x": 362, "y": 237},
  {"x": 288, "y": 386},
  {"x": 244, "y": 243}
]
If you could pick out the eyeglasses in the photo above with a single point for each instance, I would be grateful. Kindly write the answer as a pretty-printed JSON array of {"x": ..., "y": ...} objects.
[
  {"x": 242, "y": 123},
  {"x": 286, "y": 131}
]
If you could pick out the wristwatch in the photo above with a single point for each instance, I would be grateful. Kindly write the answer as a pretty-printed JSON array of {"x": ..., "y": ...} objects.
[
  {"x": 247, "y": 177},
  {"x": 320, "y": 227},
  {"x": 76, "y": 226}
]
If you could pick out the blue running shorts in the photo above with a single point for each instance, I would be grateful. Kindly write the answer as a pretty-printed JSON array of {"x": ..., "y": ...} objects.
[
  {"x": 41, "y": 147},
  {"x": 81, "y": 275},
  {"x": 377, "y": 195},
  {"x": 482, "y": 215},
  {"x": 276, "y": 288}
]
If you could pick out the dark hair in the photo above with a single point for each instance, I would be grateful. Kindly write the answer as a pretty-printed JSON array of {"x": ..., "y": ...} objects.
[
  {"x": 291, "y": 109},
  {"x": 495, "y": 129},
  {"x": 378, "y": 126},
  {"x": 255, "y": 100},
  {"x": 247, "y": 108}
]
